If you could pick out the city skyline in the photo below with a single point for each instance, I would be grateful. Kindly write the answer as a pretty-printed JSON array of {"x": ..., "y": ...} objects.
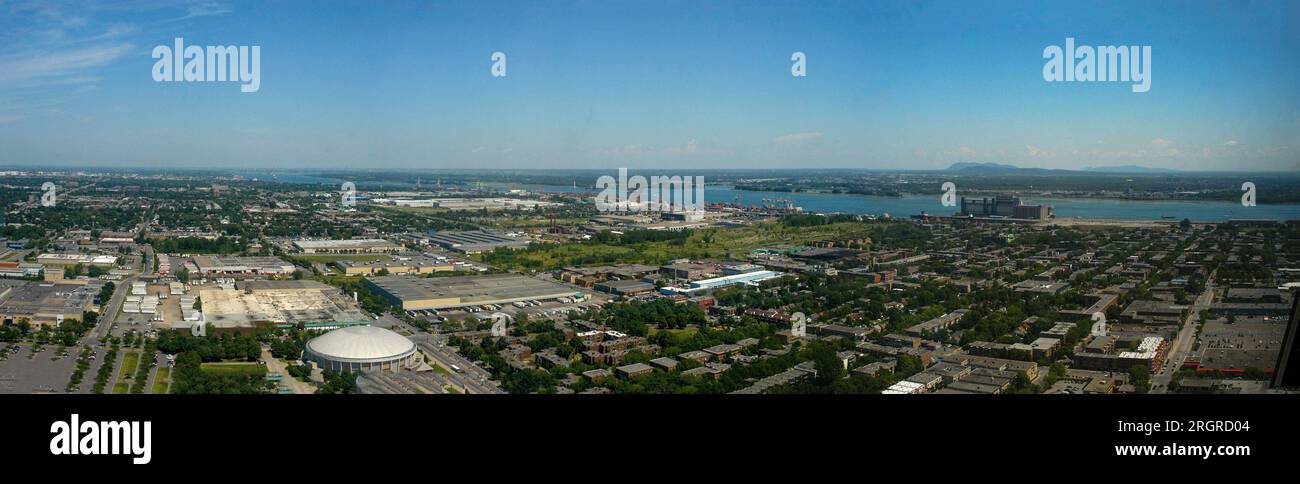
[{"x": 673, "y": 85}]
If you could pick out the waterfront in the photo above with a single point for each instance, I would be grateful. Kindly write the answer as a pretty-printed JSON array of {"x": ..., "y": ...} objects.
[{"x": 907, "y": 205}]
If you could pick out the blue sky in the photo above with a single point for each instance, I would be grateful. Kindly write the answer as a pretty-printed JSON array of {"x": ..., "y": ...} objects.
[{"x": 604, "y": 84}]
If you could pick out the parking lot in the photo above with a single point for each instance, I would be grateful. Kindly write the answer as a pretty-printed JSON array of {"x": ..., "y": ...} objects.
[
  {"x": 168, "y": 308},
  {"x": 23, "y": 372}
]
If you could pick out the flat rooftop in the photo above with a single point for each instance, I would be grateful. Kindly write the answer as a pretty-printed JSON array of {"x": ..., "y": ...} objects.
[
  {"x": 342, "y": 244},
  {"x": 476, "y": 240},
  {"x": 223, "y": 263},
  {"x": 415, "y": 293},
  {"x": 278, "y": 302},
  {"x": 1247, "y": 343},
  {"x": 43, "y": 301}
]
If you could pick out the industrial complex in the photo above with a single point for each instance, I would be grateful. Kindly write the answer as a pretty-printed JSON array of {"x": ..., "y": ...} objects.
[
  {"x": 350, "y": 246},
  {"x": 476, "y": 241},
  {"x": 42, "y": 302},
  {"x": 212, "y": 265},
  {"x": 415, "y": 293},
  {"x": 396, "y": 265},
  {"x": 248, "y": 305}
]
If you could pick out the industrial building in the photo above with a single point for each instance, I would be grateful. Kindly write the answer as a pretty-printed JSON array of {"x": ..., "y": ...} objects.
[
  {"x": 20, "y": 269},
  {"x": 476, "y": 241},
  {"x": 279, "y": 303},
  {"x": 358, "y": 348},
  {"x": 42, "y": 302},
  {"x": 351, "y": 246},
  {"x": 418, "y": 293},
  {"x": 396, "y": 265},
  {"x": 231, "y": 266},
  {"x": 53, "y": 259},
  {"x": 626, "y": 287},
  {"x": 708, "y": 285},
  {"x": 1004, "y": 206}
]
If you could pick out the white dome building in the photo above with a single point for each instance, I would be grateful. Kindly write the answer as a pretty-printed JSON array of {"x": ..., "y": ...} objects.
[{"x": 357, "y": 348}]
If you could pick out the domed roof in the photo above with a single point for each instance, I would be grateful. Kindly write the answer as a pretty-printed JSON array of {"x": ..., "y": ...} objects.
[{"x": 361, "y": 343}]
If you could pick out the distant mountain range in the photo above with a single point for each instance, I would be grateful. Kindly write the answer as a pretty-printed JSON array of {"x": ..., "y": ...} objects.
[
  {"x": 1129, "y": 169},
  {"x": 985, "y": 167},
  {"x": 990, "y": 167}
]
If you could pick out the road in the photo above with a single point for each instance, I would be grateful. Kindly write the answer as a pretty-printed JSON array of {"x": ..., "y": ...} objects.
[
  {"x": 109, "y": 311},
  {"x": 17, "y": 255},
  {"x": 472, "y": 378},
  {"x": 276, "y": 365},
  {"x": 1182, "y": 345}
]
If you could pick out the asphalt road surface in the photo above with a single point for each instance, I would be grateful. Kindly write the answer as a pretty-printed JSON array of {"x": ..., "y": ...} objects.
[{"x": 1182, "y": 345}]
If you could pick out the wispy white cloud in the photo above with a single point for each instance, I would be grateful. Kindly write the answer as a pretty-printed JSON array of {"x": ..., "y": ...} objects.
[
  {"x": 204, "y": 9},
  {"x": 1036, "y": 152},
  {"x": 61, "y": 63},
  {"x": 797, "y": 138},
  {"x": 53, "y": 51}
]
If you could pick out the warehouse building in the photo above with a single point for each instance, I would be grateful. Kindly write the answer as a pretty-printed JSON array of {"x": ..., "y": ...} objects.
[
  {"x": 20, "y": 269},
  {"x": 55, "y": 259},
  {"x": 709, "y": 285},
  {"x": 231, "y": 266},
  {"x": 396, "y": 265},
  {"x": 43, "y": 303},
  {"x": 279, "y": 303},
  {"x": 351, "y": 246},
  {"x": 476, "y": 241},
  {"x": 626, "y": 287},
  {"x": 418, "y": 293}
]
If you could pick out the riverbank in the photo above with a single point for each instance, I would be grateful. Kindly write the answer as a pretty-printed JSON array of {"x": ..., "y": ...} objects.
[{"x": 1105, "y": 222}]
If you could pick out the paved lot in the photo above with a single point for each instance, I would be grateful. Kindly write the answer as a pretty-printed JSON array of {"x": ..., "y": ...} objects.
[
  {"x": 39, "y": 374},
  {"x": 276, "y": 365}
]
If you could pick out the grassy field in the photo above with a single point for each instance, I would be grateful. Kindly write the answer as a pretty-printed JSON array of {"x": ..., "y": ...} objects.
[
  {"x": 160, "y": 384},
  {"x": 121, "y": 388},
  {"x": 235, "y": 369},
  {"x": 684, "y": 332},
  {"x": 129, "y": 362},
  {"x": 706, "y": 243}
]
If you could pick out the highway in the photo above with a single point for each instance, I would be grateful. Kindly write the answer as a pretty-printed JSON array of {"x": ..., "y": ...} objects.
[{"x": 471, "y": 379}]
